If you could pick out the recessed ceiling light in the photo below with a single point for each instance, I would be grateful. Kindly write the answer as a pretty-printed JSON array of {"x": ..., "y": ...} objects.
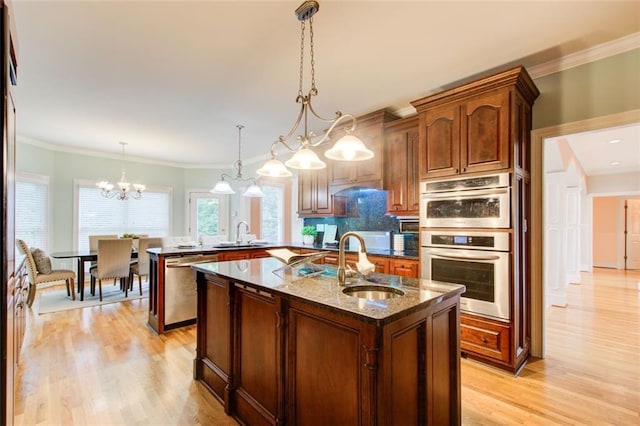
[
  {"x": 615, "y": 163},
  {"x": 615, "y": 141}
]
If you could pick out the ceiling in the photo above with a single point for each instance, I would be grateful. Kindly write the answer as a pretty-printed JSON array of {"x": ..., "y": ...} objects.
[{"x": 173, "y": 78}]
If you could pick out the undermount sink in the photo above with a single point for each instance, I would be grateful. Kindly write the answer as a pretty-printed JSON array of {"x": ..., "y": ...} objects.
[{"x": 373, "y": 292}]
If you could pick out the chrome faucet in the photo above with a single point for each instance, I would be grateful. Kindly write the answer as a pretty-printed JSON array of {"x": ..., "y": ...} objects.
[
  {"x": 363, "y": 265},
  {"x": 246, "y": 225}
]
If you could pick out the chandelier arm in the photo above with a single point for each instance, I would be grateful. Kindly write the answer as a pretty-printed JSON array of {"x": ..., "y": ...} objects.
[
  {"x": 339, "y": 119},
  {"x": 304, "y": 100}
]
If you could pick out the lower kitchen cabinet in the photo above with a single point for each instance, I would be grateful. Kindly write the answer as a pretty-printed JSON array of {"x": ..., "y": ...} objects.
[
  {"x": 241, "y": 254},
  {"x": 404, "y": 267},
  {"x": 485, "y": 339}
]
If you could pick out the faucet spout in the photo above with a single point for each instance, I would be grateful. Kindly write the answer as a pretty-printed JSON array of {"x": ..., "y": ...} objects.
[
  {"x": 246, "y": 227},
  {"x": 363, "y": 265}
]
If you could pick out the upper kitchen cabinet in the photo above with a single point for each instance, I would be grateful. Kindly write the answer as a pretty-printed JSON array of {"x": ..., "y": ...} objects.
[
  {"x": 367, "y": 173},
  {"x": 314, "y": 197},
  {"x": 401, "y": 174},
  {"x": 479, "y": 126}
]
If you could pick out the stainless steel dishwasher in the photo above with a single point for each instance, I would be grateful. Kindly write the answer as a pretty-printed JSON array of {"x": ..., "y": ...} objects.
[{"x": 180, "y": 297}]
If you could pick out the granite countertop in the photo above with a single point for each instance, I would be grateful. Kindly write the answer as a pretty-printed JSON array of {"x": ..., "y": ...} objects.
[
  {"x": 269, "y": 275},
  {"x": 210, "y": 249}
]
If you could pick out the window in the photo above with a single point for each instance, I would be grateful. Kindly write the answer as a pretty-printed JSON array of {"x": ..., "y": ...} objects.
[
  {"x": 99, "y": 215},
  {"x": 32, "y": 210},
  {"x": 208, "y": 214},
  {"x": 272, "y": 213}
]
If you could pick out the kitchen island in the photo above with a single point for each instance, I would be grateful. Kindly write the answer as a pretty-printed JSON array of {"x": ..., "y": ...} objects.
[
  {"x": 172, "y": 297},
  {"x": 278, "y": 348}
]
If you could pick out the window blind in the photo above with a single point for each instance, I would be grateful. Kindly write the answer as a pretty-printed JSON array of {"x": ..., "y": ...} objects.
[
  {"x": 32, "y": 220},
  {"x": 98, "y": 215}
]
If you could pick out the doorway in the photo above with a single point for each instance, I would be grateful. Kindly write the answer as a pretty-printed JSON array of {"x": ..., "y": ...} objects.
[{"x": 537, "y": 176}]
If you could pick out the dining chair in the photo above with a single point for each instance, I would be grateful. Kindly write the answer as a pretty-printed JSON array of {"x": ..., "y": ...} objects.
[
  {"x": 50, "y": 275},
  {"x": 93, "y": 240},
  {"x": 141, "y": 267},
  {"x": 114, "y": 258}
]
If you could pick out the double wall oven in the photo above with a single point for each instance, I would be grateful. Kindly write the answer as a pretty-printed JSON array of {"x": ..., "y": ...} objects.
[{"x": 465, "y": 239}]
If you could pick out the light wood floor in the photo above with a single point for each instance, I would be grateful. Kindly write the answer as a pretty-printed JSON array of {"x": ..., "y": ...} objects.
[{"x": 102, "y": 366}]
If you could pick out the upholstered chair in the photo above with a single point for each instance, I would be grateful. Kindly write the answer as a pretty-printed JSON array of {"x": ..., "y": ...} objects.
[
  {"x": 93, "y": 240},
  {"x": 114, "y": 258},
  {"x": 40, "y": 272},
  {"x": 141, "y": 267}
]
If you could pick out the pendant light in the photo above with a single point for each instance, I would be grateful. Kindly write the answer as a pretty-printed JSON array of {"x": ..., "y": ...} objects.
[
  {"x": 223, "y": 186},
  {"x": 347, "y": 148}
]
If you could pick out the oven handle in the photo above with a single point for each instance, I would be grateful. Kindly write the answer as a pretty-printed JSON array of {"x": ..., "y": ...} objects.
[
  {"x": 466, "y": 194},
  {"x": 445, "y": 256}
]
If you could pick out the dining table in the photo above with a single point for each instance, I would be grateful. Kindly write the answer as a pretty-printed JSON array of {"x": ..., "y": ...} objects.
[{"x": 83, "y": 256}]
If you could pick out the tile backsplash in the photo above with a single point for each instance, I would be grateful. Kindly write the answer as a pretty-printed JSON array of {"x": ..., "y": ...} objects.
[{"x": 366, "y": 211}]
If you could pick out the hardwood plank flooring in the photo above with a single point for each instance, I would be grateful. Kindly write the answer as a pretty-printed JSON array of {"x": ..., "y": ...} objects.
[{"x": 103, "y": 366}]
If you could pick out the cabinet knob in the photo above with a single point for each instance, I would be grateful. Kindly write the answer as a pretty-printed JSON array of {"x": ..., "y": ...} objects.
[
  {"x": 457, "y": 171},
  {"x": 484, "y": 339}
]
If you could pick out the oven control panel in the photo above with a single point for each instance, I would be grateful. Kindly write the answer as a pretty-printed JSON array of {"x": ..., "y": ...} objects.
[{"x": 468, "y": 240}]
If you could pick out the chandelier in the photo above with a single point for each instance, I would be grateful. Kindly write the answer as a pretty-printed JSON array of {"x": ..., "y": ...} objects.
[
  {"x": 223, "y": 187},
  {"x": 347, "y": 148},
  {"x": 124, "y": 187}
]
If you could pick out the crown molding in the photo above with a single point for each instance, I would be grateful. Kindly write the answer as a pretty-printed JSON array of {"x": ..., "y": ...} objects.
[
  {"x": 129, "y": 158},
  {"x": 600, "y": 51}
]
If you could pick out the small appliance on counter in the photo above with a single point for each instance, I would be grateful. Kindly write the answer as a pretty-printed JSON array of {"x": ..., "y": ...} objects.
[{"x": 374, "y": 240}]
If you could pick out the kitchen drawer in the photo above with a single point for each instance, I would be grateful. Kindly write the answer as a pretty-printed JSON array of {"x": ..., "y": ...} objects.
[
  {"x": 485, "y": 337},
  {"x": 405, "y": 268},
  {"x": 332, "y": 259}
]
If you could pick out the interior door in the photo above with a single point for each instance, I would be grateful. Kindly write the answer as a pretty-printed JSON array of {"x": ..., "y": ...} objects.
[
  {"x": 633, "y": 234},
  {"x": 208, "y": 214}
]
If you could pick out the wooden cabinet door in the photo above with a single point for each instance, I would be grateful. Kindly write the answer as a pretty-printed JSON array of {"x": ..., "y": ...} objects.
[
  {"x": 324, "y": 350},
  {"x": 306, "y": 192},
  {"x": 381, "y": 263},
  {"x": 214, "y": 353},
  {"x": 439, "y": 149},
  {"x": 401, "y": 174},
  {"x": 484, "y": 131},
  {"x": 396, "y": 171},
  {"x": 257, "y": 373},
  {"x": 370, "y": 170},
  {"x": 314, "y": 197}
]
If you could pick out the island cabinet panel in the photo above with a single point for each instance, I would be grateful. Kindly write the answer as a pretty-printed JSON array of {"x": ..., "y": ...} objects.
[
  {"x": 256, "y": 380},
  {"x": 272, "y": 358},
  {"x": 420, "y": 369},
  {"x": 325, "y": 363},
  {"x": 215, "y": 328}
]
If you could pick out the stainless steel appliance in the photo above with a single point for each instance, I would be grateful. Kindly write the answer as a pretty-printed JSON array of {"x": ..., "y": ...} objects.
[
  {"x": 479, "y": 260},
  {"x": 380, "y": 240},
  {"x": 409, "y": 225},
  {"x": 180, "y": 289},
  {"x": 472, "y": 202}
]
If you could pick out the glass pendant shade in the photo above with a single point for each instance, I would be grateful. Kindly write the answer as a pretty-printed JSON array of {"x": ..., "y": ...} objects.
[
  {"x": 222, "y": 187},
  {"x": 305, "y": 159},
  {"x": 274, "y": 168},
  {"x": 349, "y": 148},
  {"x": 253, "y": 191}
]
